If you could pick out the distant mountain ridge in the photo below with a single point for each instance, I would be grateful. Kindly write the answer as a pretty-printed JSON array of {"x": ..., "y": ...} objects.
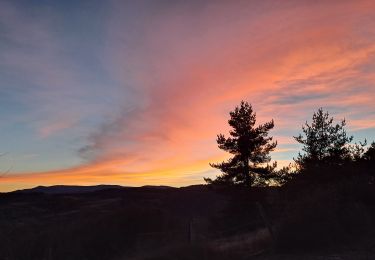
[
  {"x": 61, "y": 189},
  {"x": 74, "y": 189}
]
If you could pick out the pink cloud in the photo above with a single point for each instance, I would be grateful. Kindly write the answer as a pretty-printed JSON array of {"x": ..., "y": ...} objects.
[
  {"x": 187, "y": 68},
  {"x": 190, "y": 72}
]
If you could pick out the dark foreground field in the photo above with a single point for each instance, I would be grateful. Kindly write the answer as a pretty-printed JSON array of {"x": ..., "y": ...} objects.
[{"x": 326, "y": 221}]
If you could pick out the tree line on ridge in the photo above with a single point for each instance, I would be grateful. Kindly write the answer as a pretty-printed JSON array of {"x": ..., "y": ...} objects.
[{"x": 327, "y": 152}]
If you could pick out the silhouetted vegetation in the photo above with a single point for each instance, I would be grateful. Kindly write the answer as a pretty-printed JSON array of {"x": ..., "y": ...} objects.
[
  {"x": 327, "y": 152},
  {"x": 250, "y": 147},
  {"x": 322, "y": 205},
  {"x": 324, "y": 143}
]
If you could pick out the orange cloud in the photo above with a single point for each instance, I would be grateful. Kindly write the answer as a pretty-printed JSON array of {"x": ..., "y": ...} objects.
[{"x": 189, "y": 69}]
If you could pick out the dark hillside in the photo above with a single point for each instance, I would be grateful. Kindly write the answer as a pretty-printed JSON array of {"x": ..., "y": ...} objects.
[{"x": 196, "y": 222}]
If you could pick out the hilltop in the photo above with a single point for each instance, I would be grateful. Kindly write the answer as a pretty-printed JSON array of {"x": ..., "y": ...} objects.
[{"x": 195, "y": 222}]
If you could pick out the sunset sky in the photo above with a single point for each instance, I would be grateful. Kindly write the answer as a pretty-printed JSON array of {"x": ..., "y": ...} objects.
[{"x": 134, "y": 92}]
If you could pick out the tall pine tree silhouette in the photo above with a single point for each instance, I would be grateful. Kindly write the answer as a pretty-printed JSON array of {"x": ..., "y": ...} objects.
[{"x": 249, "y": 145}]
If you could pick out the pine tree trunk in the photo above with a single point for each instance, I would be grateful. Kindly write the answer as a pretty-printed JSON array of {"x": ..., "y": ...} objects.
[{"x": 246, "y": 172}]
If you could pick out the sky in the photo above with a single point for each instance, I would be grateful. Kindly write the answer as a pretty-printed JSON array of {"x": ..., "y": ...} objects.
[{"x": 134, "y": 92}]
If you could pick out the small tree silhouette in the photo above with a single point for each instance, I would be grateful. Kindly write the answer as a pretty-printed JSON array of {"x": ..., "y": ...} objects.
[
  {"x": 369, "y": 155},
  {"x": 324, "y": 144},
  {"x": 368, "y": 161},
  {"x": 250, "y": 146}
]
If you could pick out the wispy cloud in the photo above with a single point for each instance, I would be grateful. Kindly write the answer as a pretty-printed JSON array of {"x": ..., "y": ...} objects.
[{"x": 170, "y": 73}]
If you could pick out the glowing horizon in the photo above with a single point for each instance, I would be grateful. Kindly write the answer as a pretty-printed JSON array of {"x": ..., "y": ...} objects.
[{"x": 134, "y": 93}]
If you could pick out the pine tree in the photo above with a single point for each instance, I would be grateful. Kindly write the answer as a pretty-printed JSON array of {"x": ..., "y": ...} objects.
[
  {"x": 249, "y": 145},
  {"x": 324, "y": 143}
]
